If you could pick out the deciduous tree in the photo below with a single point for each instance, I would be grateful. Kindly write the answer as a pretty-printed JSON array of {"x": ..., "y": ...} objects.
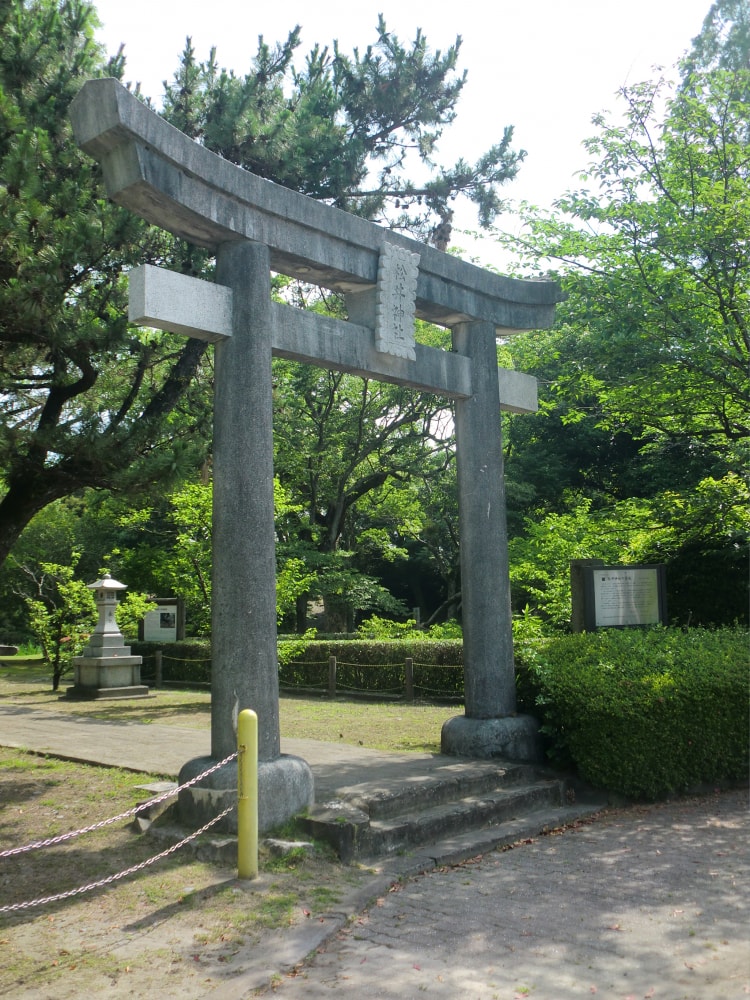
[{"x": 655, "y": 255}]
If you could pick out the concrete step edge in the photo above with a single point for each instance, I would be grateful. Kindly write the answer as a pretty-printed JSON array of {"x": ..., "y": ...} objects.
[
  {"x": 472, "y": 812},
  {"x": 455, "y": 849},
  {"x": 380, "y": 803}
]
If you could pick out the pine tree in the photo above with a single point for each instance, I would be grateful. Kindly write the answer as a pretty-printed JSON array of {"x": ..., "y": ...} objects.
[{"x": 88, "y": 400}]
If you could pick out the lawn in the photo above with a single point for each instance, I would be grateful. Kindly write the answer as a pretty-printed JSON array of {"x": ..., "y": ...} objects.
[
  {"x": 395, "y": 726},
  {"x": 186, "y": 920}
]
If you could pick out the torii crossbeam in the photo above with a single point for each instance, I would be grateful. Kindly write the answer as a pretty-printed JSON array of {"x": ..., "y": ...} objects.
[{"x": 255, "y": 226}]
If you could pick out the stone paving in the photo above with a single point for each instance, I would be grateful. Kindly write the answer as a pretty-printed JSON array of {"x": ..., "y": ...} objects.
[{"x": 645, "y": 902}]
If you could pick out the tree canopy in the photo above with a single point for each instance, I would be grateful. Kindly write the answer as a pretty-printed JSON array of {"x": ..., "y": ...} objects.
[
  {"x": 636, "y": 454},
  {"x": 89, "y": 400},
  {"x": 347, "y": 129},
  {"x": 644, "y": 394},
  {"x": 655, "y": 254}
]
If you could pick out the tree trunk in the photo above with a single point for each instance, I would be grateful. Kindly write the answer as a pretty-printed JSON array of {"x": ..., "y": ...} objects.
[
  {"x": 338, "y": 614},
  {"x": 20, "y": 504},
  {"x": 300, "y": 609}
]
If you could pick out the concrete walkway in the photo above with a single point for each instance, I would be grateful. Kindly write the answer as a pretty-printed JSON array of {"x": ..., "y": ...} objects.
[
  {"x": 163, "y": 749},
  {"x": 644, "y": 902}
]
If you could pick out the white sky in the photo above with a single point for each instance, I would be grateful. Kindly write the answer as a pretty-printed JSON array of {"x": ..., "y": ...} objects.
[{"x": 544, "y": 66}]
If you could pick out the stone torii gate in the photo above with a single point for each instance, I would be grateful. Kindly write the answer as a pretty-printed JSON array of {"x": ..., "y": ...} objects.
[{"x": 255, "y": 226}]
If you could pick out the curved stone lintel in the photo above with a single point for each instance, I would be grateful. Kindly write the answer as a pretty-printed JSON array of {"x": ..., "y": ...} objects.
[
  {"x": 513, "y": 737},
  {"x": 285, "y": 788},
  {"x": 182, "y": 186}
]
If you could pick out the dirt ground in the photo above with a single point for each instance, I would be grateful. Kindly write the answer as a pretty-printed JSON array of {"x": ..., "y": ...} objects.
[{"x": 176, "y": 928}]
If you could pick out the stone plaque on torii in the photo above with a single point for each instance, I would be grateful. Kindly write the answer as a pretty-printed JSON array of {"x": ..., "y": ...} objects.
[{"x": 254, "y": 227}]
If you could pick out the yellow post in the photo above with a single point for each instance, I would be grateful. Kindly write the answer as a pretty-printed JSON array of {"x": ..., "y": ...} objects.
[{"x": 247, "y": 794}]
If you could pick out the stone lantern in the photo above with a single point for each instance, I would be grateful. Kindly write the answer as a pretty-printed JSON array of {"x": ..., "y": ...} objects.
[{"x": 105, "y": 669}]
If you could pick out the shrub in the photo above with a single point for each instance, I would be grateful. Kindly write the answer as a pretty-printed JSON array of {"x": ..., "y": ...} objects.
[
  {"x": 377, "y": 667},
  {"x": 131, "y": 611},
  {"x": 62, "y": 614},
  {"x": 643, "y": 713},
  {"x": 185, "y": 662}
]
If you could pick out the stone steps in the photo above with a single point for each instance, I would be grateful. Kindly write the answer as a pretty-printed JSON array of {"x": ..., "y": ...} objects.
[
  {"x": 434, "y": 818},
  {"x": 416, "y": 792}
]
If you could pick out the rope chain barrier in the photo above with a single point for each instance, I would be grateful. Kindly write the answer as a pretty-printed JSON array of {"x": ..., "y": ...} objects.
[
  {"x": 51, "y": 841},
  {"x": 123, "y": 874},
  {"x": 181, "y": 659}
]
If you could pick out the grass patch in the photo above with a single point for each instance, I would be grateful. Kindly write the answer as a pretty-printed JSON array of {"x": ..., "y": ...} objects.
[
  {"x": 392, "y": 726},
  {"x": 177, "y": 918},
  {"x": 276, "y": 910},
  {"x": 387, "y": 726}
]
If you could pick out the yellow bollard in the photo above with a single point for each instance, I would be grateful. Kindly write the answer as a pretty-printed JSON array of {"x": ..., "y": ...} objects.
[{"x": 247, "y": 794}]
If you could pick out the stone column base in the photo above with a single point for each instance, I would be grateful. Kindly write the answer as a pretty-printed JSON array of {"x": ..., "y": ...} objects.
[
  {"x": 285, "y": 789},
  {"x": 513, "y": 737}
]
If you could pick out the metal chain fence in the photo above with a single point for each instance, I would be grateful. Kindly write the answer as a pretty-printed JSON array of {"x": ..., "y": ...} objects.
[{"x": 51, "y": 841}]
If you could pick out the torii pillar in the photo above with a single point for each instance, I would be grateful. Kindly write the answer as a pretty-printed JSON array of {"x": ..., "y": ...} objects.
[
  {"x": 243, "y": 591},
  {"x": 490, "y": 726},
  {"x": 255, "y": 226}
]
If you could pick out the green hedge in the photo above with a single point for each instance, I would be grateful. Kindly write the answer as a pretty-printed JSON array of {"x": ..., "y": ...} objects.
[
  {"x": 643, "y": 713},
  {"x": 185, "y": 662},
  {"x": 363, "y": 666},
  {"x": 376, "y": 667}
]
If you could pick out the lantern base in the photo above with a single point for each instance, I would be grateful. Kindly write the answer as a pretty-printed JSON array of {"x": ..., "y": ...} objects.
[{"x": 81, "y": 692}]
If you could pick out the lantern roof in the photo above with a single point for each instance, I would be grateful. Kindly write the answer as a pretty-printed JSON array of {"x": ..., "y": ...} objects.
[{"x": 107, "y": 583}]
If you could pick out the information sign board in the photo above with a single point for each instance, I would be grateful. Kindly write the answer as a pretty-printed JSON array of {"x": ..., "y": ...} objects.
[
  {"x": 620, "y": 596},
  {"x": 163, "y": 623}
]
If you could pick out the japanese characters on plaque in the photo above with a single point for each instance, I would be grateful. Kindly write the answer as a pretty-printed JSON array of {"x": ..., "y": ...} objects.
[{"x": 395, "y": 302}]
